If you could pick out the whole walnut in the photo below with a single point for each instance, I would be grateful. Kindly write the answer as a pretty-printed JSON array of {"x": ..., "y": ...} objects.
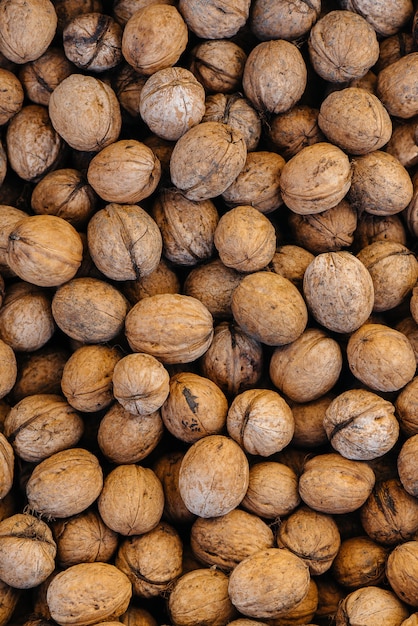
[
  {"x": 402, "y": 144},
  {"x": 387, "y": 18},
  {"x": 291, "y": 261},
  {"x": 396, "y": 87},
  {"x": 284, "y": 19},
  {"x": 405, "y": 465},
  {"x": 294, "y": 129},
  {"x": 272, "y": 490},
  {"x": 401, "y": 572},
  {"x": 372, "y": 228},
  {"x": 393, "y": 47},
  {"x": 167, "y": 469},
  {"x": 362, "y": 604},
  {"x": 9, "y": 216},
  {"x": 7, "y": 463},
  {"x": 218, "y": 65},
  {"x": 162, "y": 280},
  {"x": 40, "y": 76},
  {"x": 360, "y": 562},
  {"x": 128, "y": 84},
  {"x": 124, "y": 9},
  {"x": 93, "y": 41},
  {"x": 40, "y": 372},
  {"x": 9, "y": 600},
  {"x": 406, "y": 407},
  {"x": 216, "y": 19},
  {"x": 11, "y": 95},
  {"x": 309, "y": 422},
  {"x": 213, "y": 283},
  {"x": 67, "y": 9},
  {"x": 237, "y": 112}
]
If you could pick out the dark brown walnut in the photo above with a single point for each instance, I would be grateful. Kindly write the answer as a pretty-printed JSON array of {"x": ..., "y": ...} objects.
[
  {"x": 42, "y": 424},
  {"x": 127, "y": 84},
  {"x": 405, "y": 465},
  {"x": 66, "y": 10},
  {"x": 85, "y": 112},
  {"x": 283, "y": 19},
  {"x": 11, "y": 95},
  {"x": 387, "y": 18},
  {"x": 294, "y": 129},
  {"x": 389, "y": 515},
  {"x": 127, "y": 171},
  {"x": 87, "y": 377},
  {"x": 309, "y": 417},
  {"x": 33, "y": 145},
  {"x": 9, "y": 216},
  {"x": 237, "y": 112},
  {"x": 275, "y": 76},
  {"x": 187, "y": 226},
  {"x": 283, "y": 311},
  {"x": 125, "y": 437},
  {"x": 213, "y": 283},
  {"x": 272, "y": 490},
  {"x": 407, "y": 407},
  {"x": 10, "y": 597},
  {"x": 7, "y": 462},
  {"x": 167, "y": 467},
  {"x": 152, "y": 561},
  {"x": 396, "y": 87},
  {"x": 338, "y": 291},
  {"x": 360, "y": 562},
  {"x": 411, "y": 212},
  {"x": 39, "y": 372},
  {"x": 89, "y": 310},
  {"x": 234, "y": 359},
  {"x": 194, "y": 408},
  {"x": 362, "y": 604},
  {"x": 104, "y": 601},
  {"x": 154, "y": 37},
  {"x": 291, "y": 261},
  {"x": 216, "y": 19},
  {"x": 172, "y": 101},
  {"x": 342, "y": 46},
  {"x": 27, "y": 550},
  {"x": 3, "y": 164},
  {"x": 124, "y": 9},
  {"x": 124, "y": 241},
  {"x": 40, "y": 76},
  {"x": 135, "y": 615},
  {"x": 26, "y": 31},
  {"x": 198, "y": 176},
  {"x": 163, "y": 149},
  {"x": 162, "y": 280},
  {"x": 93, "y": 42},
  {"x": 402, "y": 144},
  {"x": 224, "y": 541},
  {"x": 218, "y": 64},
  {"x": 83, "y": 538},
  {"x": 172, "y": 327},
  {"x": 372, "y": 228},
  {"x": 394, "y": 47},
  {"x": 381, "y": 357},
  {"x": 401, "y": 572},
  {"x": 394, "y": 271},
  {"x": 44, "y": 250},
  {"x": 65, "y": 193}
]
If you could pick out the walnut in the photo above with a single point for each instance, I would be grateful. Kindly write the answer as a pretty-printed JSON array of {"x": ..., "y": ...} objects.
[
  {"x": 218, "y": 64},
  {"x": 213, "y": 283},
  {"x": 7, "y": 462},
  {"x": 93, "y": 41},
  {"x": 362, "y": 603},
  {"x": 295, "y": 129},
  {"x": 216, "y": 19},
  {"x": 40, "y": 76},
  {"x": 237, "y": 112},
  {"x": 396, "y": 87},
  {"x": 401, "y": 573},
  {"x": 272, "y": 490},
  {"x": 360, "y": 562},
  {"x": 11, "y": 95},
  {"x": 284, "y": 19},
  {"x": 386, "y": 18}
]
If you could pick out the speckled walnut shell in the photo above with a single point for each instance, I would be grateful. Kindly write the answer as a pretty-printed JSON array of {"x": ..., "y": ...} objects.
[
  {"x": 402, "y": 144},
  {"x": 26, "y": 31},
  {"x": 396, "y": 87},
  {"x": 213, "y": 283},
  {"x": 295, "y": 129},
  {"x": 316, "y": 179},
  {"x": 124, "y": 241},
  {"x": 218, "y": 65},
  {"x": 338, "y": 291},
  {"x": 9, "y": 599},
  {"x": 213, "y": 477},
  {"x": 372, "y": 228},
  {"x": 216, "y": 19},
  {"x": 42, "y": 424},
  {"x": 283, "y": 19},
  {"x": 361, "y": 605},
  {"x": 207, "y": 159},
  {"x": 7, "y": 462},
  {"x": 381, "y": 357},
  {"x": 405, "y": 464},
  {"x": 407, "y": 407},
  {"x": 93, "y": 41},
  {"x": 40, "y": 77},
  {"x": 401, "y": 572},
  {"x": 40, "y": 372},
  {"x": 27, "y": 550},
  {"x": 275, "y": 76},
  {"x": 236, "y": 111},
  {"x": 167, "y": 468},
  {"x": 272, "y": 490},
  {"x": 291, "y": 261},
  {"x": 154, "y": 38},
  {"x": 11, "y": 95},
  {"x": 387, "y": 18},
  {"x": 360, "y": 562},
  {"x": 172, "y": 327},
  {"x": 394, "y": 47},
  {"x": 124, "y": 9},
  {"x": 75, "y": 599},
  {"x": 85, "y": 112},
  {"x": 342, "y": 46},
  {"x": 9, "y": 217}
]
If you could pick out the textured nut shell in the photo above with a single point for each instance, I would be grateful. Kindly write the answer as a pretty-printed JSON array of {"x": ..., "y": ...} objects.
[
  {"x": 406, "y": 406},
  {"x": 362, "y": 606},
  {"x": 401, "y": 571},
  {"x": 348, "y": 483},
  {"x": 126, "y": 171},
  {"x": 44, "y": 250},
  {"x": 360, "y": 562},
  {"x": 388, "y": 18},
  {"x": 237, "y": 112},
  {"x": 75, "y": 598},
  {"x": 218, "y": 65},
  {"x": 132, "y": 500},
  {"x": 8, "y": 369},
  {"x": 167, "y": 468},
  {"x": 92, "y": 41},
  {"x": 217, "y": 19},
  {"x": 275, "y": 76},
  {"x": 172, "y": 327},
  {"x": 307, "y": 368},
  {"x": 40, "y": 372},
  {"x": 162, "y": 280},
  {"x": 7, "y": 462},
  {"x": 396, "y": 87},
  {"x": 291, "y": 261},
  {"x": 207, "y": 159},
  {"x": 9, "y": 599},
  {"x": 381, "y": 357},
  {"x": 338, "y": 291},
  {"x": 213, "y": 283},
  {"x": 295, "y": 129},
  {"x": 9, "y": 217},
  {"x": 284, "y": 19},
  {"x": 272, "y": 490},
  {"x": 316, "y": 179},
  {"x": 140, "y": 383},
  {"x": 261, "y": 421},
  {"x": 27, "y": 551},
  {"x": 284, "y": 311},
  {"x": 372, "y": 228},
  {"x": 85, "y": 112},
  {"x": 268, "y": 583},
  {"x": 309, "y": 417},
  {"x": 12, "y": 95},
  {"x": 40, "y": 76},
  {"x": 65, "y": 483},
  {"x": 42, "y": 424},
  {"x": 213, "y": 476},
  {"x": 405, "y": 465}
]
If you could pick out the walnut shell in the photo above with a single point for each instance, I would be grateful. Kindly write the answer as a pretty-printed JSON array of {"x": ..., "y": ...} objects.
[
  {"x": 9, "y": 600},
  {"x": 381, "y": 357},
  {"x": 295, "y": 129},
  {"x": 213, "y": 476},
  {"x": 393, "y": 47},
  {"x": 272, "y": 490},
  {"x": 11, "y": 95},
  {"x": 27, "y": 550},
  {"x": 338, "y": 291},
  {"x": 216, "y": 19},
  {"x": 128, "y": 84},
  {"x": 172, "y": 327},
  {"x": 361, "y": 425},
  {"x": 8, "y": 368},
  {"x": 386, "y": 18},
  {"x": 85, "y": 112},
  {"x": 154, "y": 38},
  {"x": 372, "y": 228},
  {"x": 405, "y": 465},
  {"x": 124, "y": 9},
  {"x": 268, "y": 583},
  {"x": 198, "y": 176},
  {"x": 291, "y": 261},
  {"x": 9, "y": 217},
  {"x": 213, "y": 283},
  {"x": 7, "y": 462},
  {"x": 42, "y": 424},
  {"x": 275, "y": 76},
  {"x": 126, "y": 171},
  {"x": 218, "y": 65},
  {"x": 284, "y": 19},
  {"x": 93, "y": 41},
  {"x": 162, "y": 280},
  {"x": 402, "y": 143},
  {"x": 132, "y": 500},
  {"x": 237, "y": 112},
  {"x": 401, "y": 572},
  {"x": 317, "y": 178},
  {"x": 309, "y": 418},
  {"x": 44, "y": 250},
  {"x": 65, "y": 483},
  {"x": 406, "y": 407},
  {"x": 75, "y": 598},
  {"x": 360, "y": 562},
  {"x": 361, "y": 606},
  {"x": 396, "y": 87},
  {"x": 40, "y": 76},
  {"x": 39, "y": 372},
  {"x": 167, "y": 469}
]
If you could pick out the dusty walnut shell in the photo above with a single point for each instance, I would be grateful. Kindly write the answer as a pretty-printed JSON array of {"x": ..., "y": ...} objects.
[
  {"x": 27, "y": 550},
  {"x": 237, "y": 112},
  {"x": 167, "y": 469},
  {"x": 372, "y": 228},
  {"x": 93, "y": 41},
  {"x": 405, "y": 465},
  {"x": 9, "y": 217},
  {"x": 360, "y": 562},
  {"x": 291, "y": 261},
  {"x": 171, "y": 327},
  {"x": 213, "y": 283},
  {"x": 387, "y": 18},
  {"x": 338, "y": 290},
  {"x": 213, "y": 476},
  {"x": 401, "y": 572},
  {"x": 9, "y": 601},
  {"x": 162, "y": 280},
  {"x": 316, "y": 179},
  {"x": 11, "y": 95},
  {"x": 275, "y": 76},
  {"x": 207, "y": 159},
  {"x": 218, "y": 64},
  {"x": 272, "y": 490},
  {"x": 7, "y": 462},
  {"x": 361, "y": 606},
  {"x": 216, "y": 19},
  {"x": 406, "y": 407},
  {"x": 284, "y": 19},
  {"x": 295, "y": 129},
  {"x": 40, "y": 76},
  {"x": 75, "y": 598},
  {"x": 381, "y": 357},
  {"x": 396, "y": 87},
  {"x": 124, "y": 9}
]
